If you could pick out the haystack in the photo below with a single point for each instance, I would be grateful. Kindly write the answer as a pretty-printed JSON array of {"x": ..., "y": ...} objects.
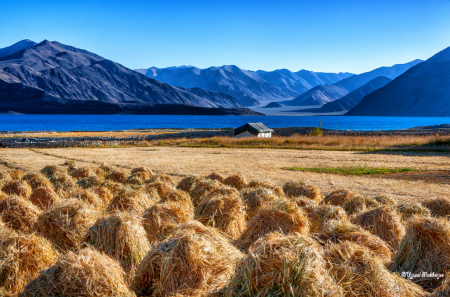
[
  {"x": 338, "y": 231},
  {"x": 338, "y": 197},
  {"x": 179, "y": 197},
  {"x": 162, "y": 219},
  {"x": 138, "y": 178},
  {"x": 116, "y": 176},
  {"x": 216, "y": 176},
  {"x": 67, "y": 223},
  {"x": 439, "y": 207},
  {"x": 5, "y": 232},
  {"x": 84, "y": 273},
  {"x": 63, "y": 182},
  {"x": 284, "y": 217},
  {"x": 360, "y": 273},
  {"x": 71, "y": 163},
  {"x": 22, "y": 258},
  {"x": 20, "y": 188},
  {"x": 163, "y": 178},
  {"x": 267, "y": 185},
  {"x": 143, "y": 169},
  {"x": 162, "y": 188},
  {"x": 104, "y": 194},
  {"x": 424, "y": 248},
  {"x": 130, "y": 200},
  {"x": 44, "y": 197},
  {"x": 36, "y": 180},
  {"x": 188, "y": 183},
  {"x": 84, "y": 172},
  {"x": 194, "y": 261},
  {"x": 300, "y": 189},
  {"x": 18, "y": 213},
  {"x": 359, "y": 204},
  {"x": 122, "y": 237},
  {"x": 16, "y": 174},
  {"x": 385, "y": 223},
  {"x": 280, "y": 265},
  {"x": 89, "y": 182},
  {"x": 4, "y": 178},
  {"x": 319, "y": 215},
  {"x": 226, "y": 213},
  {"x": 91, "y": 197},
  {"x": 51, "y": 170},
  {"x": 386, "y": 200},
  {"x": 443, "y": 290},
  {"x": 257, "y": 198},
  {"x": 203, "y": 188},
  {"x": 409, "y": 209},
  {"x": 237, "y": 181}
]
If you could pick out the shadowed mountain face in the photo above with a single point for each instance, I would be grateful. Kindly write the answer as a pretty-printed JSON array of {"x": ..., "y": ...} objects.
[
  {"x": 350, "y": 100},
  {"x": 423, "y": 90},
  {"x": 329, "y": 93},
  {"x": 21, "y": 45},
  {"x": 52, "y": 74}
]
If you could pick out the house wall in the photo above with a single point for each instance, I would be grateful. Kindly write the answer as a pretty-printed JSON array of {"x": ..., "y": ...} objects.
[{"x": 265, "y": 135}]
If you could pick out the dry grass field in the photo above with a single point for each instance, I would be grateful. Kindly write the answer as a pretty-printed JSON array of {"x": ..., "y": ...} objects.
[{"x": 200, "y": 221}]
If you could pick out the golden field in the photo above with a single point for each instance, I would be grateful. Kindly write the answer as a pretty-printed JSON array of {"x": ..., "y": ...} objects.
[{"x": 219, "y": 221}]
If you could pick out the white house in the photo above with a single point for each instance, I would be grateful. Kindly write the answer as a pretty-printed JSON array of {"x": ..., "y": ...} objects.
[{"x": 253, "y": 130}]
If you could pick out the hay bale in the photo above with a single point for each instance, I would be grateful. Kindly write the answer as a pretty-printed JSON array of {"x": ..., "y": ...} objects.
[
  {"x": 71, "y": 163},
  {"x": 116, "y": 176},
  {"x": 107, "y": 168},
  {"x": 409, "y": 209},
  {"x": 83, "y": 172},
  {"x": 237, "y": 181},
  {"x": 319, "y": 215},
  {"x": 338, "y": 197},
  {"x": 300, "y": 189},
  {"x": 267, "y": 185},
  {"x": 179, "y": 197},
  {"x": 280, "y": 265},
  {"x": 142, "y": 169},
  {"x": 203, "y": 188},
  {"x": 188, "y": 183},
  {"x": 67, "y": 223},
  {"x": 20, "y": 188},
  {"x": 4, "y": 178},
  {"x": 103, "y": 193},
  {"x": 91, "y": 197},
  {"x": 89, "y": 182},
  {"x": 359, "y": 204},
  {"x": 194, "y": 261},
  {"x": 360, "y": 273},
  {"x": 22, "y": 258},
  {"x": 424, "y": 248},
  {"x": 122, "y": 237},
  {"x": 50, "y": 170},
  {"x": 284, "y": 217},
  {"x": 257, "y": 198},
  {"x": 162, "y": 188},
  {"x": 44, "y": 197},
  {"x": 138, "y": 178},
  {"x": 163, "y": 178},
  {"x": 305, "y": 203},
  {"x": 18, "y": 213},
  {"x": 16, "y": 174},
  {"x": 162, "y": 219},
  {"x": 83, "y": 273},
  {"x": 130, "y": 200},
  {"x": 226, "y": 213},
  {"x": 385, "y": 223},
  {"x": 5, "y": 232},
  {"x": 63, "y": 182},
  {"x": 439, "y": 207},
  {"x": 386, "y": 200},
  {"x": 216, "y": 176},
  {"x": 339, "y": 231},
  {"x": 36, "y": 180}
]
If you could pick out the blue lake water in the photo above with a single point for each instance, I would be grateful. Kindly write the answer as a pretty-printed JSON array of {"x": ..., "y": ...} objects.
[{"x": 124, "y": 122}]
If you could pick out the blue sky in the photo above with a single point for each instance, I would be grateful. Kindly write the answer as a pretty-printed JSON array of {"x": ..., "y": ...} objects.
[{"x": 331, "y": 36}]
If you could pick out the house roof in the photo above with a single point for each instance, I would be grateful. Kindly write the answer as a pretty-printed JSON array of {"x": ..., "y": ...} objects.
[{"x": 253, "y": 128}]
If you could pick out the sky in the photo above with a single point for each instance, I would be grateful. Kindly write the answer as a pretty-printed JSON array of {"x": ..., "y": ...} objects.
[{"x": 319, "y": 35}]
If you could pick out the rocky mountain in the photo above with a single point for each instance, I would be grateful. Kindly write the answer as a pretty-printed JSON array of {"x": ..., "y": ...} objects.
[
  {"x": 423, "y": 90},
  {"x": 21, "y": 45},
  {"x": 324, "y": 94},
  {"x": 247, "y": 86},
  {"x": 297, "y": 83},
  {"x": 51, "y": 75},
  {"x": 353, "y": 98}
]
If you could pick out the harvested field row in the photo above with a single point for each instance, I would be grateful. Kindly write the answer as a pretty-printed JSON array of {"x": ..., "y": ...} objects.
[{"x": 78, "y": 230}]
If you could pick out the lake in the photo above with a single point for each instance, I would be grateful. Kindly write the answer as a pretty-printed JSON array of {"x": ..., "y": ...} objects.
[{"x": 21, "y": 122}]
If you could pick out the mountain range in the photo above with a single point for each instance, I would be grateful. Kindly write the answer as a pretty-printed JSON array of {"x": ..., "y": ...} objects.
[
  {"x": 328, "y": 93},
  {"x": 52, "y": 76},
  {"x": 249, "y": 87},
  {"x": 423, "y": 90}
]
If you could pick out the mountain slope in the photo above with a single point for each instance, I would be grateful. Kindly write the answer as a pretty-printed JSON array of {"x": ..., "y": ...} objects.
[
  {"x": 16, "y": 47},
  {"x": 324, "y": 94},
  {"x": 322, "y": 78},
  {"x": 423, "y": 90},
  {"x": 246, "y": 86},
  {"x": 52, "y": 73},
  {"x": 352, "y": 99}
]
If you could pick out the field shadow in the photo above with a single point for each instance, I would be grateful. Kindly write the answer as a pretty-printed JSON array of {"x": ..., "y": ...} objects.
[{"x": 429, "y": 176}]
